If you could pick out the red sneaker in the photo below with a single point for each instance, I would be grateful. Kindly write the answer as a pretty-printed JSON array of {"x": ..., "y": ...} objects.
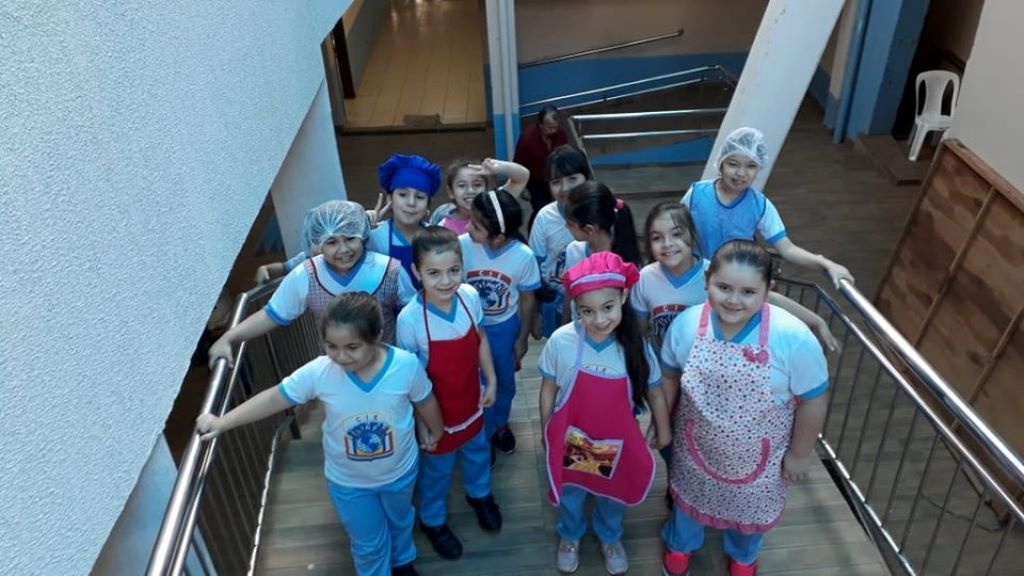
[
  {"x": 741, "y": 569},
  {"x": 675, "y": 563}
]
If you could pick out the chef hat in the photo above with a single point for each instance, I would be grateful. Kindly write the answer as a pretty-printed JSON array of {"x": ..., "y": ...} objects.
[
  {"x": 600, "y": 270},
  {"x": 409, "y": 171}
]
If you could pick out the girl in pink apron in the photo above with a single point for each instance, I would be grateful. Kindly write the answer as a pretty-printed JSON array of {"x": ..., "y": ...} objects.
[
  {"x": 596, "y": 373},
  {"x": 750, "y": 380},
  {"x": 442, "y": 327}
]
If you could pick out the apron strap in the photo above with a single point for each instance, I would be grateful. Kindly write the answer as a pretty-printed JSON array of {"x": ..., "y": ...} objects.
[
  {"x": 426, "y": 321},
  {"x": 762, "y": 337},
  {"x": 705, "y": 314}
]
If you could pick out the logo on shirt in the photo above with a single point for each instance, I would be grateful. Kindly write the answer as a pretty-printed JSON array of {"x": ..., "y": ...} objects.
[
  {"x": 494, "y": 288},
  {"x": 368, "y": 437},
  {"x": 662, "y": 317}
]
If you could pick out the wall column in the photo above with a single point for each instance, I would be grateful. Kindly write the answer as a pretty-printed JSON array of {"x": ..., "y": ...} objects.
[
  {"x": 785, "y": 53},
  {"x": 504, "y": 75}
]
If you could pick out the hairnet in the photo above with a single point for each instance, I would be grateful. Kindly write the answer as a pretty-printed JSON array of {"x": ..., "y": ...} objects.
[
  {"x": 334, "y": 218},
  {"x": 744, "y": 141}
]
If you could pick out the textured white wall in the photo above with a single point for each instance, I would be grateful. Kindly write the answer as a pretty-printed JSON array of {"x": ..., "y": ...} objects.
[
  {"x": 137, "y": 142},
  {"x": 988, "y": 116}
]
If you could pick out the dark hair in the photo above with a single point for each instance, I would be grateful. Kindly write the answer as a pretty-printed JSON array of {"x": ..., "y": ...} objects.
[
  {"x": 632, "y": 341},
  {"x": 358, "y": 310},
  {"x": 458, "y": 164},
  {"x": 681, "y": 218},
  {"x": 566, "y": 160},
  {"x": 437, "y": 239},
  {"x": 511, "y": 213},
  {"x": 745, "y": 252},
  {"x": 593, "y": 203},
  {"x": 545, "y": 112}
]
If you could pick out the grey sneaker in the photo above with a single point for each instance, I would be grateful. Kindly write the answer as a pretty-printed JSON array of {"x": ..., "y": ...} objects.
[
  {"x": 568, "y": 556},
  {"x": 615, "y": 559}
]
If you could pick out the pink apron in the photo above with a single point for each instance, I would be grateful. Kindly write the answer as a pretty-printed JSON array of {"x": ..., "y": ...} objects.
[
  {"x": 730, "y": 435},
  {"x": 594, "y": 441}
]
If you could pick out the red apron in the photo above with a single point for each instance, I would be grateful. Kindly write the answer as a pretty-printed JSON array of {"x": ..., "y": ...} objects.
[
  {"x": 594, "y": 441},
  {"x": 453, "y": 367},
  {"x": 730, "y": 435}
]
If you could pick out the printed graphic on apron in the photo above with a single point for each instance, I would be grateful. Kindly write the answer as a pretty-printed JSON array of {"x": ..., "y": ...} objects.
[
  {"x": 368, "y": 437},
  {"x": 582, "y": 453}
]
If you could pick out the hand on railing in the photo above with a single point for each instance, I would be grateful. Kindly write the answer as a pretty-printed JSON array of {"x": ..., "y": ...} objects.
[
  {"x": 209, "y": 426},
  {"x": 221, "y": 349},
  {"x": 837, "y": 272},
  {"x": 797, "y": 468}
]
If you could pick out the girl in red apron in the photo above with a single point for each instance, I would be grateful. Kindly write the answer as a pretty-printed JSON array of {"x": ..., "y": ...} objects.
[
  {"x": 750, "y": 380},
  {"x": 596, "y": 373},
  {"x": 442, "y": 327}
]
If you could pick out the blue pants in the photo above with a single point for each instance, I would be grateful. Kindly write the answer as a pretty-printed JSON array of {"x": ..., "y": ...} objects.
[
  {"x": 606, "y": 518},
  {"x": 682, "y": 533},
  {"x": 502, "y": 338},
  {"x": 379, "y": 523},
  {"x": 551, "y": 315},
  {"x": 436, "y": 478}
]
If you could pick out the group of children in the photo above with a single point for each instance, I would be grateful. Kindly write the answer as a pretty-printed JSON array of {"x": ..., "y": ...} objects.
[{"x": 425, "y": 319}]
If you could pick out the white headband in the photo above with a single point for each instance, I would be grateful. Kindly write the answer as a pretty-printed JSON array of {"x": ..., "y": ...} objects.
[{"x": 497, "y": 209}]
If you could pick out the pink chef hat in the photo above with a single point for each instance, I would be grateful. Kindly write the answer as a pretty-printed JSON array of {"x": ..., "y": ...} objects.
[{"x": 600, "y": 270}]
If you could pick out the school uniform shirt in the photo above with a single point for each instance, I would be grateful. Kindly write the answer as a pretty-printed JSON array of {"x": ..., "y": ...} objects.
[
  {"x": 294, "y": 261},
  {"x": 548, "y": 239},
  {"x": 447, "y": 215},
  {"x": 499, "y": 276},
  {"x": 557, "y": 360},
  {"x": 717, "y": 223},
  {"x": 575, "y": 252},
  {"x": 449, "y": 324},
  {"x": 369, "y": 433},
  {"x": 659, "y": 296},
  {"x": 289, "y": 300},
  {"x": 379, "y": 240},
  {"x": 797, "y": 364}
]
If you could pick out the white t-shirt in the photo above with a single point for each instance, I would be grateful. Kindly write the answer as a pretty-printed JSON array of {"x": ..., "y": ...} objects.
[
  {"x": 548, "y": 239},
  {"x": 797, "y": 364},
  {"x": 444, "y": 324},
  {"x": 379, "y": 241},
  {"x": 659, "y": 296},
  {"x": 369, "y": 434},
  {"x": 575, "y": 252},
  {"x": 499, "y": 276},
  {"x": 294, "y": 261},
  {"x": 289, "y": 300},
  {"x": 557, "y": 360}
]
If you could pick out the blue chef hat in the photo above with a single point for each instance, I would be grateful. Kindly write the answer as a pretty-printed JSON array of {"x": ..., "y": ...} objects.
[{"x": 409, "y": 171}]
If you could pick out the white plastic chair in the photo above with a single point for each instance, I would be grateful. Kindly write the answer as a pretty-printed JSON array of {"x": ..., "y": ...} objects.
[{"x": 929, "y": 116}]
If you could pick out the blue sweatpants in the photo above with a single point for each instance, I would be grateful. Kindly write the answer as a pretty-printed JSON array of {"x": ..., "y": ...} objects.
[
  {"x": 551, "y": 315},
  {"x": 379, "y": 523},
  {"x": 606, "y": 518},
  {"x": 436, "y": 478},
  {"x": 682, "y": 533},
  {"x": 502, "y": 338}
]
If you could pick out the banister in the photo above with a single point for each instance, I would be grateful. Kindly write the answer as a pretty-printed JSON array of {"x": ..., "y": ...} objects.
[{"x": 619, "y": 46}]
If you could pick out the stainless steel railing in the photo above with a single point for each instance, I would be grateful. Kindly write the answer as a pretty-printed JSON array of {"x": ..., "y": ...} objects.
[
  {"x": 603, "y": 49},
  {"x": 918, "y": 486},
  {"x": 222, "y": 484}
]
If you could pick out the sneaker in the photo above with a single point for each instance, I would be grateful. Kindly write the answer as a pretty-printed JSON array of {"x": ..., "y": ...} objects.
[
  {"x": 568, "y": 556},
  {"x": 488, "y": 515},
  {"x": 444, "y": 541},
  {"x": 404, "y": 570},
  {"x": 741, "y": 569},
  {"x": 615, "y": 559},
  {"x": 504, "y": 440},
  {"x": 675, "y": 563}
]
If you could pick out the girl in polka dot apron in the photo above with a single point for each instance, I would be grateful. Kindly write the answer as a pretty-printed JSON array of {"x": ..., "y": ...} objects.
[{"x": 751, "y": 402}]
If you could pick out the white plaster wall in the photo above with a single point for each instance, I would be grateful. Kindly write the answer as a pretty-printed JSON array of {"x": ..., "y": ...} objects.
[
  {"x": 546, "y": 29},
  {"x": 988, "y": 116},
  {"x": 137, "y": 142}
]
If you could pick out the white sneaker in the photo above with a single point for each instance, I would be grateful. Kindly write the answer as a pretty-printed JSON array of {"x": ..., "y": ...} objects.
[
  {"x": 615, "y": 559},
  {"x": 568, "y": 556}
]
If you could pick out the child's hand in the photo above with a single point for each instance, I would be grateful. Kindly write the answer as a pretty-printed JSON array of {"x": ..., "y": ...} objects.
[
  {"x": 428, "y": 442},
  {"x": 262, "y": 275},
  {"x": 825, "y": 337},
  {"x": 837, "y": 272},
  {"x": 796, "y": 468},
  {"x": 489, "y": 395},
  {"x": 208, "y": 426},
  {"x": 380, "y": 212},
  {"x": 221, "y": 349}
]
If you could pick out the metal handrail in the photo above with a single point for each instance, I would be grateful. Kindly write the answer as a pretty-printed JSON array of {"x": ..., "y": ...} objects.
[
  {"x": 725, "y": 74},
  {"x": 649, "y": 134},
  {"x": 620, "y": 46},
  {"x": 650, "y": 114}
]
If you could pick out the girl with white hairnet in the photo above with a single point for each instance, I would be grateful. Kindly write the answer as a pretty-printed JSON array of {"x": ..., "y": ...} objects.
[
  {"x": 728, "y": 208},
  {"x": 339, "y": 229}
]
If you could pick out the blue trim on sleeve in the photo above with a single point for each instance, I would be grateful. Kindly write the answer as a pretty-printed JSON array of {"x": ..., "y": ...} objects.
[
  {"x": 545, "y": 376},
  {"x": 529, "y": 287},
  {"x": 639, "y": 312},
  {"x": 291, "y": 401},
  {"x": 275, "y": 317},
  {"x": 815, "y": 392},
  {"x": 665, "y": 363},
  {"x": 776, "y": 238}
]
